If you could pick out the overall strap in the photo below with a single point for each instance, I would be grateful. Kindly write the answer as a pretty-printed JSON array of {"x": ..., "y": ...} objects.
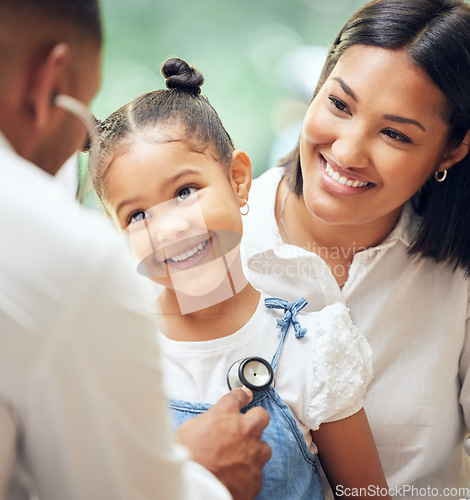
[{"x": 290, "y": 316}]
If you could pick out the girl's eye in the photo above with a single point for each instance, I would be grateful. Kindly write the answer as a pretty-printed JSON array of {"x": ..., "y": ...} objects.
[
  {"x": 339, "y": 105},
  {"x": 138, "y": 216},
  {"x": 397, "y": 136},
  {"x": 184, "y": 193}
]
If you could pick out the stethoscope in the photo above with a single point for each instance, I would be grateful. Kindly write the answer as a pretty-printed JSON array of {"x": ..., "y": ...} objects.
[{"x": 253, "y": 372}]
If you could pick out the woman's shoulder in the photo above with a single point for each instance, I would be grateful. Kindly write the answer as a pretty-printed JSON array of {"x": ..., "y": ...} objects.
[
  {"x": 264, "y": 190},
  {"x": 269, "y": 178},
  {"x": 260, "y": 230}
]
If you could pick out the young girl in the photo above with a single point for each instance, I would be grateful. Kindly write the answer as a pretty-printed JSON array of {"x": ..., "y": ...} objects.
[{"x": 167, "y": 173}]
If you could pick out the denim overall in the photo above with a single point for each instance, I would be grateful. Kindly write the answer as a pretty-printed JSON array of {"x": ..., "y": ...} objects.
[{"x": 291, "y": 473}]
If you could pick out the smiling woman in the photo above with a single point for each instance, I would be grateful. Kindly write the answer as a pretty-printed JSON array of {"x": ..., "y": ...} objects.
[
  {"x": 369, "y": 130},
  {"x": 372, "y": 208}
]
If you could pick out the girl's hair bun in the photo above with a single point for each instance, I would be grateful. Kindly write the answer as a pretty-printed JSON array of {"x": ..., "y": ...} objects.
[{"x": 181, "y": 76}]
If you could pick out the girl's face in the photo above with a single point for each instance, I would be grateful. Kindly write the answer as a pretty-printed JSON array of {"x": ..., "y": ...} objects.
[
  {"x": 180, "y": 208},
  {"x": 371, "y": 138}
]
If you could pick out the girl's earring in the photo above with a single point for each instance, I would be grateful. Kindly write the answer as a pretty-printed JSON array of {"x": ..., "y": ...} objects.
[
  {"x": 440, "y": 176},
  {"x": 247, "y": 208}
]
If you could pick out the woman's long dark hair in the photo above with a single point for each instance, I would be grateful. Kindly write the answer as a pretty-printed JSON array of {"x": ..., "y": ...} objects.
[{"x": 436, "y": 36}]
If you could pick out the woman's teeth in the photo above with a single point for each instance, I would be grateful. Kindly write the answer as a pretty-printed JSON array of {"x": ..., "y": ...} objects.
[
  {"x": 193, "y": 252},
  {"x": 343, "y": 180}
]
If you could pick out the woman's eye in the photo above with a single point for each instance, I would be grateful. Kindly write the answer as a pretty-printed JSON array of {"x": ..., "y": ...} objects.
[
  {"x": 185, "y": 193},
  {"x": 339, "y": 105},
  {"x": 138, "y": 216},
  {"x": 397, "y": 136}
]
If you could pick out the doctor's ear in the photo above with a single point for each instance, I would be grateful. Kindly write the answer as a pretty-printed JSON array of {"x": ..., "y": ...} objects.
[
  {"x": 240, "y": 174},
  {"x": 45, "y": 80}
]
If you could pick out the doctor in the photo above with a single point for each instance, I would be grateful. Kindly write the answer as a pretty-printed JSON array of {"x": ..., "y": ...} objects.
[{"x": 81, "y": 403}]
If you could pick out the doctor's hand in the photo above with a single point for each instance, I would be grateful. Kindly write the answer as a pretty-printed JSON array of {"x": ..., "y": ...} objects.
[{"x": 228, "y": 443}]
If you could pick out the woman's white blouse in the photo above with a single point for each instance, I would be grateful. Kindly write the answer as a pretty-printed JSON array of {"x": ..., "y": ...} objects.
[{"x": 415, "y": 315}]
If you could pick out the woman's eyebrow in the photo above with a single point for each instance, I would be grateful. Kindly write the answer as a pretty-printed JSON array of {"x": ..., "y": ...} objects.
[
  {"x": 395, "y": 118},
  {"x": 402, "y": 119},
  {"x": 347, "y": 89}
]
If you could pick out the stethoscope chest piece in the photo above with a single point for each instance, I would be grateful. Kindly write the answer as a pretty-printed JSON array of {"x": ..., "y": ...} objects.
[{"x": 253, "y": 372}]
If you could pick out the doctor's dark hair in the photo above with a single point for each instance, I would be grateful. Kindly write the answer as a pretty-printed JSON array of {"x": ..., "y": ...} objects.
[
  {"x": 181, "y": 104},
  {"x": 435, "y": 34},
  {"x": 83, "y": 16}
]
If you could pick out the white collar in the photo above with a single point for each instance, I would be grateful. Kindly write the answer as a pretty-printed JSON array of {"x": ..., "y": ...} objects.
[{"x": 406, "y": 228}]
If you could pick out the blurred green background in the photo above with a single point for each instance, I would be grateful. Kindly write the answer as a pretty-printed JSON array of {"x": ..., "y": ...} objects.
[{"x": 260, "y": 59}]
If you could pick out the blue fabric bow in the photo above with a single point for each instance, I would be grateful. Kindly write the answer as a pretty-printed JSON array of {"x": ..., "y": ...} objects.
[{"x": 290, "y": 316}]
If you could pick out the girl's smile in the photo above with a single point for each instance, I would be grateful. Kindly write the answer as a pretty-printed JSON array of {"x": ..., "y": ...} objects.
[{"x": 189, "y": 257}]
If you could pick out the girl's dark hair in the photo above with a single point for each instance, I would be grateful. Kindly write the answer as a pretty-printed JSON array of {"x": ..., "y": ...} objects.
[
  {"x": 182, "y": 104},
  {"x": 436, "y": 36}
]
